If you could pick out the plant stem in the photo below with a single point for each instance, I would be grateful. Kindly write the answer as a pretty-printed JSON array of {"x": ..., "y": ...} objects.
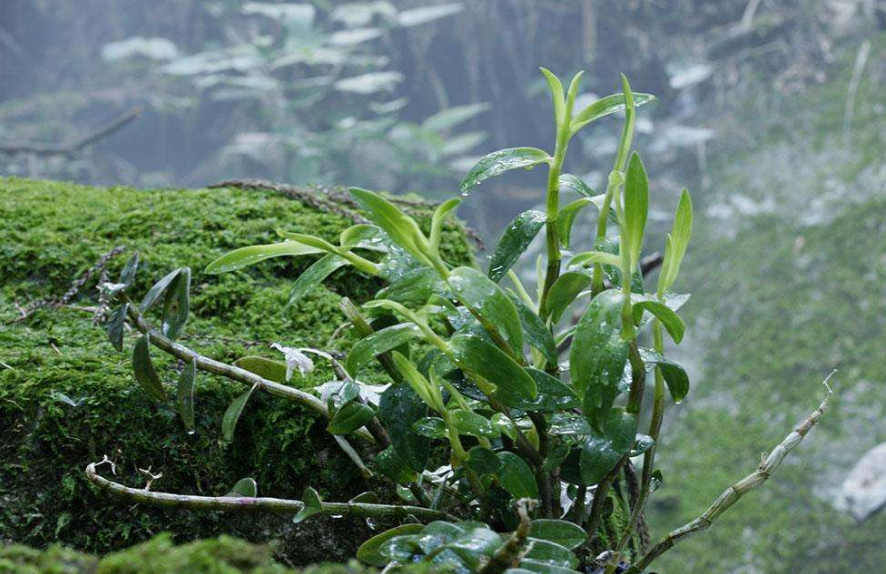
[
  {"x": 552, "y": 203},
  {"x": 732, "y": 494}
]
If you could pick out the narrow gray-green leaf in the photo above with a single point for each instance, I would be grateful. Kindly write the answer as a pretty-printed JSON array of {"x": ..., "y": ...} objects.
[
  {"x": 567, "y": 218},
  {"x": 492, "y": 364},
  {"x": 402, "y": 229},
  {"x": 232, "y": 414},
  {"x": 636, "y": 206},
  {"x": 605, "y": 106},
  {"x": 158, "y": 289},
  {"x": 377, "y": 343},
  {"x": 313, "y": 505},
  {"x": 246, "y": 256},
  {"x": 557, "y": 95},
  {"x": 127, "y": 276},
  {"x": 116, "y": 326},
  {"x": 490, "y": 302},
  {"x": 516, "y": 476},
  {"x": 591, "y": 257},
  {"x": 177, "y": 305},
  {"x": 245, "y": 487},
  {"x": 266, "y": 368},
  {"x": 501, "y": 161},
  {"x": 314, "y": 275},
  {"x": 514, "y": 241},
  {"x": 563, "y": 292},
  {"x": 671, "y": 321},
  {"x": 678, "y": 240},
  {"x": 440, "y": 214},
  {"x": 185, "y": 394},
  {"x": 358, "y": 235},
  {"x": 569, "y": 182},
  {"x": 145, "y": 373}
]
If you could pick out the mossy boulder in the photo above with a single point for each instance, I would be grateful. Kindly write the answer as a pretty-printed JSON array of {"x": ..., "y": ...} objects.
[
  {"x": 67, "y": 398},
  {"x": 221, "y": 555}
]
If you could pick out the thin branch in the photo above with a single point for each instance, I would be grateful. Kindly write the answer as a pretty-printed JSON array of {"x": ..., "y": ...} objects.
[
  {"x": 509, "y": 554},
  {"x": 74, "y": 147},
  {"x": 250, "y": 504},
  {"x": 732, "y": 494}
]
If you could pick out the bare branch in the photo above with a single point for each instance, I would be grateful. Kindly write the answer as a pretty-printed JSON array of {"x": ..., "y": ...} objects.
[
  {"x": 250, "y": 504},
  {"x": 72, "y": 148},
  {"x": 732, "y": 494}
]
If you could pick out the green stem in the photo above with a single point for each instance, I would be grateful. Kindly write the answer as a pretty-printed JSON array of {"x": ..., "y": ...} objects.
[{"x": 552, "y": 236}]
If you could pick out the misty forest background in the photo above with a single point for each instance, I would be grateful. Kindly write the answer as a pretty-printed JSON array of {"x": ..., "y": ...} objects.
[{"x": 772, "y": 113}]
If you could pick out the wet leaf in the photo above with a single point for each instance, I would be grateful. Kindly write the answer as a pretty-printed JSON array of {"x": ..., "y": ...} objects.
[
  {"x": 605, "y": 448},
  {"x": 116, "y": 326},
  {"x": 493, "y": 365},
  {"x": 636, "y": 206},
  {"x": 535, "y": 331},
  {"x": 440, "y": 214},
  {"x": 399, "y": 410},
  {"x": 232, "y": 414},
  {"x": 567, "y": 217},
  {"x": 573, "y": 183},
  {"x": 431, "y": 427},
  {"x": 516, "y": 476},
  {"x": 671, "y": 321},
  {"x": 604, "y": 107},
  {"x": 561, "y": 532},
  {"x": 473, "y": 424},
  {"x": 674, "y": 375},
  {"x": 389, "y": 463},
  {"x": 246, "y": 256},
  {"x": 360, "y": 235},
  {"x": 370, "y": 551},
  {"x": 490, "y": 303},
  {"x": 402, "y": 229},
  {"x": 158, "y": 289},
  {"x": 177, "y": 304},
  {"x": 501, "y": 161},
  {"x": 350, "y": 417},
  {"x": 677, "y": 242},
  {"x": 314, "y": 275},
  {"x": 265, "y": 368},
  {"x": 514, "y": 241},
  {"x": 127, "y": 276},
  {"x": 245, "y": 487},
  {"x": 550, "y": 553},
  {"x": 563, "y": 292},
  {"x": 378, "y": 343},
  {"x": 553, "y": 395},
  {"x": 557, "y": 96},
  {"x": 415, "y": 286},
  {"x": 145, "y": 373},
  {"x": 185, "y": 394},
  {"x": 483, "y": 461},
  {"x": 313, "y": 505}
]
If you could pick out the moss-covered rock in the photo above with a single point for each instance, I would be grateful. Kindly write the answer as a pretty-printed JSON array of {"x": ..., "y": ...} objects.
[
  {"x": 67, "y": 398},
  {"x": 222, "y": 555}
]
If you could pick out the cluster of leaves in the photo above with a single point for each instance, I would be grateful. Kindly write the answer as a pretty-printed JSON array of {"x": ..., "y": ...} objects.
[
  {"x": 475, "y": 366},
  {"x": 320, "y": 73}
]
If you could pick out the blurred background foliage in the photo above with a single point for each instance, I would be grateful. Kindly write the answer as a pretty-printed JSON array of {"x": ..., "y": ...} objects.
[{"x": 772, "y": 112}]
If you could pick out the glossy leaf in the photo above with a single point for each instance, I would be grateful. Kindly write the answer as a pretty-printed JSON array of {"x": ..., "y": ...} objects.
[
  {"x": 440, "y": 214},
  {"x": 677, "y": 242},
  {"x": 177, "y": 305},
  {"x": 361, "y": 234},
  {"x": 415, "y": 286},
  {"x": 674, "y": 375},
  {"x": 535, "y": 331},
  {"x": 636, "y": 207},
  {"x": 567, "y": 217},
  {"x": 501, "y": 161},
  {"x": 232, "y": 414},
  {"x": 127, "y": 276},
  {"x": 557, "y": 95},
  {"x": 246, "y": 256},
  {"x": 490, "y": 302},
  {"x": 562, "y": 532},
  {"x": 389, "y": 463},
  {"x": 550, "y": 553},
  {"x": 431, "y": 427},
  {"x": 473, "y": 424},
  {"x": 529, "y": 566},
  {"x": 314, "y": 275},
  {"x": 598, "y": 354},
  {"x": 399, "y": 409},
  {"x": 604, "y": 449},
  {"x": 145, "y": 373},
  {"x": 553, "y": 395},
  {"x": 401, "y": 228},
  {"x": 493, "y": 365},
  {"x": 514, "y": 241},
  {"x": 563, "y": 292},
  {"x": 422, "y": 387},
  {"x": 245, "y": 487},
  {"x": 378, "y": 343},
  {"x": 312, "y": 505},
  {"x": 516, "y": 477},
  {"x": 185, "y": 394},
  {"x": 116, "y": 326},
  {"x": 570, "y": 182},
  {"x": 157, "y": 290},
  {"x": 266, "y": 368},
  {"x": 483, "y": 461},
  {"x": 671, "y": 321},
  {"x": 606, "y": 106},
  {"x": 592, "y": 257},
  {"x": 370, "y": 551},
  {"x": 350, "y": 417}
]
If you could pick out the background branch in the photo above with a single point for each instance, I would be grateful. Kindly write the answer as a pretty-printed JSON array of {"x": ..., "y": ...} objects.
[{"x": 72, "y": 148}]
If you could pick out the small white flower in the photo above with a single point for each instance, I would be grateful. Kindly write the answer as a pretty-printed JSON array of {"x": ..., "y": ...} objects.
[{"x": 295, "y": 359}]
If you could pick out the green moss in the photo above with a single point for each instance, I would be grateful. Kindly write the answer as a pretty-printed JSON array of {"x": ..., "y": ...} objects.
[{"x": 52, "y": 232}]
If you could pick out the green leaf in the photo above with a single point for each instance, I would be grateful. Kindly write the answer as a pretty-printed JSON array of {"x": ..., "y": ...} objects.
[
  {"x": 604, "y": 449},
  {"x": 265, "y": 368},
  {"x": 561, "y": 532},
  {"x": 367, "y": 497},
  {"x": 591, "y": 257},
  {"x": 116, "y": 326},
  {"x": 358, "y": 235},
  {"x": 415, "y": 286},
  {"x": 604, "y": 107},
  {"x": 145, "y": 373},
  {"x": 636, "y": 206},
  {"x": 246, "y": 256},
  {"x": 567, "y": 217},
  {"x": 674, "y": 375},
  {"x": 490, "y": 303},
  {"x": 157, "y": 290},
  {"x": 313, "y": 505},
  {"x": 677, "y": 242},
  {"x": 501, "y": 161},
  {"x": 185, "y": 394},
  {"x": 671, "y": 321},
  {"x": 389, "y": 463},
  {"x": 563, "y": 292},
  {"x": 473, "y": 424},
  {"x": 569, "y": 182},
  {"x": 398, "y": 410},
  {"x": 492, "y": 365},
  {"x": 422, "y": 387},
  {"x": 177, "y": 305},
  {"x": 535, "y": 331},
  {"x": 557, "y": 96},
  {"x": 314, "y": 275},
  {"x": 551, "y": 553},
  {"x": 245, "y": 487},
  {"x": 553, "y": 395},
  {"x": 516, "y": 476},
  {"x": 483, "y": 461},
  {"x": 127, "y": 276},
  {"x": 443, "y": 210},
  {"x": 378, "y": 343},
  {"x": 402, "y": 229},
  {"x": 514, "y": 242},
  {"x": 370, "y": 551},
  {"x": 529, "y": 566},
  {"x": 350, "y": 417},
  {"x": 599, "y": 354},
  {"x": 431, "y": 427},
  {"x": 453, "y": 116},
  {"x": 232, "y": 414}
]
